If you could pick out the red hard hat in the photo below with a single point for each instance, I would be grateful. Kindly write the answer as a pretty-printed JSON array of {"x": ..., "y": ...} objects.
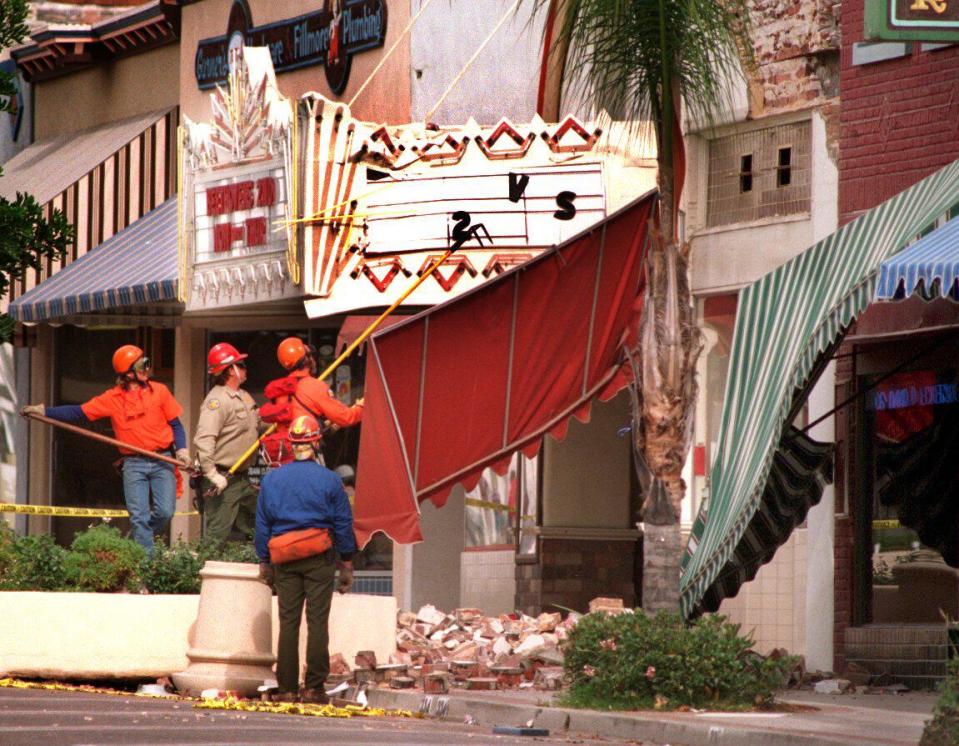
[
  {"x": 125, "y": 357},
  {"x": 305, "y": 429},
  {"x": 291, "y": 352},
  {"x": 221, "y": 357}
]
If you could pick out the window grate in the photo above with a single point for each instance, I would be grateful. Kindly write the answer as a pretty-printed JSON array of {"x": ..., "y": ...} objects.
[{"x": 759, "y": 174}]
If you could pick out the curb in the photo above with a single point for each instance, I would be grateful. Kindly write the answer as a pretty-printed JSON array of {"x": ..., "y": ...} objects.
[{"x": 663, "y": 730}]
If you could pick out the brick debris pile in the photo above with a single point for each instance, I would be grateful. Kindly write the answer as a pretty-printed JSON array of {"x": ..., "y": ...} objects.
[{"x": 437, "y": 651}]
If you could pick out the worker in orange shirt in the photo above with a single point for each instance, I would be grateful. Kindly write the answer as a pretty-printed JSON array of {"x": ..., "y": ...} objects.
[
  {"x": 302, "y": 393},
  {"x": 144, "y": 414}
]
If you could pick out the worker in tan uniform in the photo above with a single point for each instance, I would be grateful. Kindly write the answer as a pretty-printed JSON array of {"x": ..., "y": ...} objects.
[{"x": 228, "y": 427}]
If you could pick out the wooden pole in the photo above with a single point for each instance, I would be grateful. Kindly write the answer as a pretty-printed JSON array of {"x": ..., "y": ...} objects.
[
  {"x": 356, "y": 343},
  {"x": 108, "y": 440}
]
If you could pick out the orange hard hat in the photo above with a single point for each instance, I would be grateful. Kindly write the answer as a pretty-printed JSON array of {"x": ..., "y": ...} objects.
[
  {"x": 305, "y": 429},
  {"x": 221, "y": 357},
  {"x": 291, "y": 352},
  {"x": 125, "y": 357}
]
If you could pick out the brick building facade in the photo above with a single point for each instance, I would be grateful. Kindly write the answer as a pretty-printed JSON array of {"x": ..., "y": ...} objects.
[{"x": 899, "y": 122}]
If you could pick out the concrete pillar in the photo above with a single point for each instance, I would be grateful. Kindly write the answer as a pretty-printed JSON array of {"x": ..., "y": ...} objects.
[
  {"x": 429, "y": 572},
  {"x": 820, "y": 540},
  {"x": 188, "y": 388}
]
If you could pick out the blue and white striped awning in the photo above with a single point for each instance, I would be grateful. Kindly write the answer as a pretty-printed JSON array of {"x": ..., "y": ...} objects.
[
  {"x": 930, "y": 267},
  {"x": 135, "y": 266}
]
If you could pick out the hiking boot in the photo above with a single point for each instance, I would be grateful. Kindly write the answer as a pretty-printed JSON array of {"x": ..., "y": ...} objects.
[
  {"x": 284, "y": 697},
  {"x": 314, "y": 696}
]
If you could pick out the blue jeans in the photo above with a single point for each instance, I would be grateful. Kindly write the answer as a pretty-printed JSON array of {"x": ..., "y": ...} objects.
[{"x": 142, "y": 477}]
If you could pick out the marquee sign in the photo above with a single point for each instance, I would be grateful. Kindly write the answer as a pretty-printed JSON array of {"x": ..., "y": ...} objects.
[
  {"x": 238, "y": 245},
  {"x": 382, "y": 203},
  {"x": 912, "y": 20},
  {"x": 327, "y": 37}
]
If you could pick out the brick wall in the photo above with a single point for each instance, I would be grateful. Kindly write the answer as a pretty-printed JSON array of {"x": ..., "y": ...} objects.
[
  {"x": 899, "y": 119},
  {"x": 572, "y": 572},
  {"x": 795, "y": 44}
]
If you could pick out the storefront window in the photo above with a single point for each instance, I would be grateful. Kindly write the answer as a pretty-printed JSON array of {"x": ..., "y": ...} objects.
[
  {"x": 501, "y": 511},
  {"x": 84, "y": 470},
  {"x": 912, "y": 419}
]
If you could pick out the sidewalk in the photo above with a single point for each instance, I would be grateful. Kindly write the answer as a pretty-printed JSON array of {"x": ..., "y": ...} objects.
[{"x": 840, "y": 720}]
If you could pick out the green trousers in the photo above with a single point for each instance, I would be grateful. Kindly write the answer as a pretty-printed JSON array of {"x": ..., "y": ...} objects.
[
  {"x": 309, "y": 580},
  {"x": 231, "y": 515}
]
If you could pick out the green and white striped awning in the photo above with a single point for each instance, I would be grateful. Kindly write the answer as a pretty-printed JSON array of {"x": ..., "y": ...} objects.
[{"x": 785, "y": 321}]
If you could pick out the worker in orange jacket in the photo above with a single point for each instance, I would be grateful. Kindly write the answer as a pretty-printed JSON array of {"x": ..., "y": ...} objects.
[
  {"x": 302, "y": 393},
  {"x": 144, "y": 414}
]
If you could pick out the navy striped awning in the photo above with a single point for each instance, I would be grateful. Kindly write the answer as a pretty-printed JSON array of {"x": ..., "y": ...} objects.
[
  {"x": 929, "y": 268},
  {"x": 137, "y": 265}
]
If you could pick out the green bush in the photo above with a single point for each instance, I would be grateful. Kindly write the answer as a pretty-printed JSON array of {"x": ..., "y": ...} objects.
[
  {"x": 38, "y": 564},
  {"x": 634, "y": 661},
  {"x": 7, "y": 555},
  {"x": 172, "y": 569},
  {"x": 943, "y": 729},
  {"x": 101, "y": 559}
]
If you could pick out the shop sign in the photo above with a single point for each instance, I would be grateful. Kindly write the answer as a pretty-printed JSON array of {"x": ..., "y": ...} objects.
[
  {"x": 912, "y": 20},
  {"x": 328, "y": 37}
]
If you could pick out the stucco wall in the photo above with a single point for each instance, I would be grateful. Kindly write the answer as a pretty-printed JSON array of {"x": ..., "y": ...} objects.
[
  {"x": 107, "y": 92},
  {"x": 504, "y": 79},
  {"x": 386, "y": 99},
  {"x": 586, "y": 477}
]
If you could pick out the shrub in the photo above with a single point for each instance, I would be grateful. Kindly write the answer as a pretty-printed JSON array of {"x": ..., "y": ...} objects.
[
  {"x": 101, "y": 559},
  {"x": 637, "y": 661},
  {"x": 7, "y": 555},
  {"x": 943, "y": 729},
  {"x": 172, "y": 569},
  {"x": 38, "y": 565}
]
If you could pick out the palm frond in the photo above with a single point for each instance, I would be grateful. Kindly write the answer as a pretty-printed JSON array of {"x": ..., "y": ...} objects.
[{"x": 628, "y": 56}]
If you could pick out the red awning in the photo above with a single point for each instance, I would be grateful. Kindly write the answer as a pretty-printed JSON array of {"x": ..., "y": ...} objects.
[{"x": 463, "y": 385}]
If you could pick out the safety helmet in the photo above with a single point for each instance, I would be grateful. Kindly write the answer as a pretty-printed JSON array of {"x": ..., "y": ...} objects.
[
  {"x": 221, "y": 357},
  {"x": 291, "y": 352},
  {"x": 305, "y": 429},
  {"x": 125, "y": 357},
  {"x": 346, "y": 473}
]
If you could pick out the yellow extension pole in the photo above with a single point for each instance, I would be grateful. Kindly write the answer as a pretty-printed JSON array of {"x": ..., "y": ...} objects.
[{"x": 356, "y": 343}]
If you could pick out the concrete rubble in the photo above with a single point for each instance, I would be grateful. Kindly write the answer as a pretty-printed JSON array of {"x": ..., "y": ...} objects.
[{"x": 437, "y": 651}]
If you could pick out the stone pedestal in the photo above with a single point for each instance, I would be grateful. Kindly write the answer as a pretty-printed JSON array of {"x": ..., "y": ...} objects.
[{"x": 230, "y": 647}]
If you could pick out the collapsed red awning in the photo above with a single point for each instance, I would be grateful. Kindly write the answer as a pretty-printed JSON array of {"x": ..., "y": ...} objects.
[{"x": 462, "y": 386}]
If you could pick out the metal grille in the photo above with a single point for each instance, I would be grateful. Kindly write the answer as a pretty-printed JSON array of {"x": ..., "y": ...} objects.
[
  {"x": 758, "y": 174},
  {"x": 373, "y": 583}
]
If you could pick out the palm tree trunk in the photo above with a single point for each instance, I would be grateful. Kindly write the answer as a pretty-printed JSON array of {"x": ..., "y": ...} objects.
[{"x": 669, "y": 346}]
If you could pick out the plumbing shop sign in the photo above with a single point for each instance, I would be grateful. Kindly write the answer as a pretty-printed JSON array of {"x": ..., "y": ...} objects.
[{"x": 328, "y": 37}]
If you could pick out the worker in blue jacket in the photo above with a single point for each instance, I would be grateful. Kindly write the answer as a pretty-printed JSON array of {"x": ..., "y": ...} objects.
[{"x": 302, "y": 495}]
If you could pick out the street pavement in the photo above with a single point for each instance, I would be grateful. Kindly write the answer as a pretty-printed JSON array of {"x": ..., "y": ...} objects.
[{"x": 67, "y": 718}]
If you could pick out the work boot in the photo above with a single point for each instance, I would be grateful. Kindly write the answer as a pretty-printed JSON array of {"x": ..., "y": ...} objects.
[
  {"x": 314, "y": 696},
  {"x": 284, "y": 697}
]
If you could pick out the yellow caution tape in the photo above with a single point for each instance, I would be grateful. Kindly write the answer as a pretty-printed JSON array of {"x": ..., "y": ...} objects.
[
  {"x": 886, "y": 524},
  {"x": 11, "y": 683},
  {"x": 299, "y": 708},
  {"x": 473, "y": 503},
  {"x": 59, "y": 510}
]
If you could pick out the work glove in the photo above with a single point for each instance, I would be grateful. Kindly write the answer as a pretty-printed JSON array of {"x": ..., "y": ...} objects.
[
  {"x": 183, "y": 456},
  {"x": 30, "y": 409},
  {"x": 359, "y": 402},
  {"x": 266, "y": 573},
  {"x": 345, "y": 581},
  {"x": 219, "y": 483}
]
